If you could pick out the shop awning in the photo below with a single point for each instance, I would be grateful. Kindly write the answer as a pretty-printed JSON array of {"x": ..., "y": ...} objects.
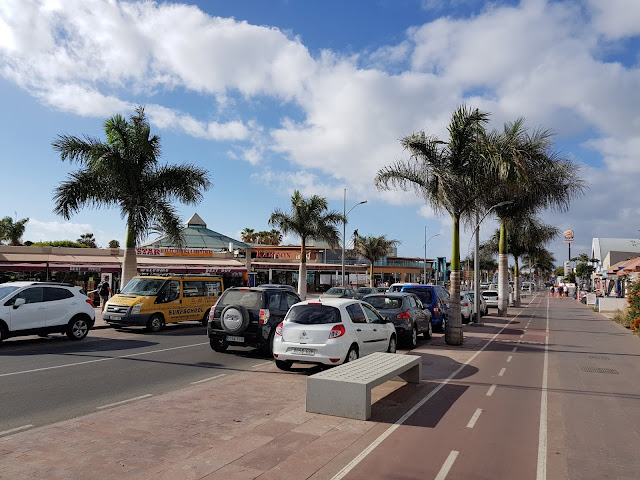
[
  {"x": 632, "y": 265},
  {"x": 84, "y": 267},
  {"x": 22, "y": 266}
]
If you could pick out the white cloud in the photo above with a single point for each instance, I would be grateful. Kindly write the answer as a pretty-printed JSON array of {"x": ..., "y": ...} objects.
[
  {"x": 46, "y": 231},
  {"x": 616, "y": 18}
]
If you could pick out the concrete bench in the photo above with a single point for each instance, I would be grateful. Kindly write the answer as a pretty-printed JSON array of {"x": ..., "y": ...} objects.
[{"x": 345, "y": 391}]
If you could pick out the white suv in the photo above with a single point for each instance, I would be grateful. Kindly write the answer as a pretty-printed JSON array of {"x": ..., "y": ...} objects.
[{"x": 40, "y": 308}]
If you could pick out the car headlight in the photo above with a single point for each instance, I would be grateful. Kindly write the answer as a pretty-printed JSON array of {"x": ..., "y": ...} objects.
[{"x": 135, "y": 310}]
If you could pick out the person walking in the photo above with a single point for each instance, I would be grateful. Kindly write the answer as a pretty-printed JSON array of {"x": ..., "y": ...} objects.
[
  {"x": 104, "y": 290},
  {"x": 553, "y": 291},
  {"x": 566, "y": 291}
]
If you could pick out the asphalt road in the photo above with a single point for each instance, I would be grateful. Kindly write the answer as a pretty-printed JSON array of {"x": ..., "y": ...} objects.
[{"x": 46, "y": 380}]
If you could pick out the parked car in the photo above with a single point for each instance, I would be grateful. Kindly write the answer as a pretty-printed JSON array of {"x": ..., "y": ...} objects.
[
  {"x": 397, "y": 287},
  {"x": 484, "y": 310},
  {"x": 406, "y": 311},
  {"x": 247, "y": 316},
  {"x": 340, "y": 292},
  {"x": 436, "y": 299},
  {"x": 490, "y": 298},
  {"x": 41, "y": 308},
  {"x": 466, "y": 307},
  {"x": 362, "y": 291},
  {"x": 331, "y": 332}
]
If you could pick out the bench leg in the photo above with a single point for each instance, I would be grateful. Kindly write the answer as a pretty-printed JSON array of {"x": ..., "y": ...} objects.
[{"x": 413, "y": 375}]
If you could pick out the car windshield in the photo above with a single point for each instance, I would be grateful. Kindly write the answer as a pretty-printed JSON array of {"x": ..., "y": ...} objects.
[
  {"x": 470, "y": 295},
  {"x": 490, "y": 294},
  {"x": 365, "y": 290},
  {"x": 143, "y": 286},
  {"x": 246, "y": 298},
  {"x": 335, "y": 291},
  {"x": 423, "y": 293},
  {"x": 313, "y": 314},
  {"x": 7, "y": 290},
  {"x": 384, "y": 303}
]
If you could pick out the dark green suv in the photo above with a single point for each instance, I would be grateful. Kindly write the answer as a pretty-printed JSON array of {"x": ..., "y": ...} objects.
[{"x": 248, "y": 316}]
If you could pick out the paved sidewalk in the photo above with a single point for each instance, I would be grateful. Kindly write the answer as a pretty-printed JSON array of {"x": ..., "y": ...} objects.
[{"x": 251, "y": 424}]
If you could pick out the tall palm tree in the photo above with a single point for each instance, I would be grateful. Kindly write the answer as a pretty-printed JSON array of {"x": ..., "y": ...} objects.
[
  {"x": 526, "y": 235},
  {"x": 308, "y": 219},
  {"x": 373, "y": 249},
  {"x": 450, "y": 177},
  {"x": 124, "y": 172},
  {"x": 275, "y": 237},
  {"x": 12, "y": 231},
  {"x": 530, "y": 175}
]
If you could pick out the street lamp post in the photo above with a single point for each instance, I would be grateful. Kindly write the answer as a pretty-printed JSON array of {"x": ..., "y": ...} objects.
[
  {"x": 476, "y": 261},
  {"x": 344, "y": 228},
  {"x": 425, "y": 253}
]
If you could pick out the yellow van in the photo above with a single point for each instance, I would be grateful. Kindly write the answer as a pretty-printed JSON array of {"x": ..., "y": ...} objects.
[{"x": 152, "y": 302}]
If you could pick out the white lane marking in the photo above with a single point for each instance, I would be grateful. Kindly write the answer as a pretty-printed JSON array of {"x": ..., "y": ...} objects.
[
  {"x": 509, "y": 358},
  {"x": 448, "y": 463},
  {"x": 491, "y": 390},
  {"x": 13, "y": 430},
  {"x": 207, "y": 379},
  {"x": 542, "y": 437},
  {"x": 262, "y": 364},
  {"x": 514, "y": 349},
  {"x": 101, "y": 360},
  {"x": 502, "y": 372},
  {"x": 362, "y": 455},
  {"x": 124, "y": 401},
  {"x": 522, "y": 335},
  {"x": 474, "y": 419}
]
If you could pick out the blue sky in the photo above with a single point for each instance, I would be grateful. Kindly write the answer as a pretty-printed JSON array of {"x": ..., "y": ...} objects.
[{"x": 274, "y": 95}]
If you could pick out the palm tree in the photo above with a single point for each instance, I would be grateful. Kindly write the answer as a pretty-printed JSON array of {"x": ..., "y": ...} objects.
[
  {"x": 275, "y": 237},
  {"x": 309, "y": 219},
  {"x": 88, "y": 240},
  {"x": 12, "y": 231},
  {"x": 529, "y": 175},
  {"x": 248, "y": 235},
  {"x": 449, "y": 176},
  {"x": 124, "y": 172},
  {"x": 114, "y": 244},
  {"x": 373, "y": 249},
  {"x": 526, "y": 235}
]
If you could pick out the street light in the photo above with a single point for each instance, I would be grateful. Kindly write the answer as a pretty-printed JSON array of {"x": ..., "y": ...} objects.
[
  {"x": 425, "y": 252},
  {"x": 476, "y": 261},
  {"x": 344, "y": 228}
]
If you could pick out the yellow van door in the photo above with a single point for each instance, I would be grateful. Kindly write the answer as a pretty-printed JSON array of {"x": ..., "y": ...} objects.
[
  {"x": 199, "y": 295},
  {"x": 169, "y": 301}
]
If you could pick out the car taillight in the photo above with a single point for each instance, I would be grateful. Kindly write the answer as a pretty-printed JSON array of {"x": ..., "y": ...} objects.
[
  {"x": 211, "y": 314},
  {"x": 88, "y": 300},
  {"x": 264, "y": 316},
  {"x": 403, "y": 315},
  {"x": 279, "y": 329},
  {"x": 436, "y": 310},
  {"x": 465, "y": 304},
  {"x": 337, "y": 331}
]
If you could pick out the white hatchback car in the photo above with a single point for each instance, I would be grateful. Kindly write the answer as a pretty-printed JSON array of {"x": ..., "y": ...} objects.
[
  {"x": 331, "y": 332},
  {"x": 41, "y": 308},
  {"x": 490, "y": 298}
]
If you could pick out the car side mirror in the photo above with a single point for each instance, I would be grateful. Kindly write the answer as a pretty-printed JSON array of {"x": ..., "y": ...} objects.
[{"x": 18, "y": 302}]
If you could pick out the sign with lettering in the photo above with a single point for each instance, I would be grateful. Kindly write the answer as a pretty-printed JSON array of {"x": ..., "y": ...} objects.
[
  {"x": 277, "y": 254},
  {"x": 568, "y": 236},
  {"x": 174, "y": 252}
]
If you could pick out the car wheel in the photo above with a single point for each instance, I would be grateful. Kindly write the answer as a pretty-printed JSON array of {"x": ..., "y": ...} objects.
[
  {"x": 393, "y": 344},
  {"x": 284, "y": 364},
  {"x": 155, "y": 323},
  {"x": 413, "y": 340},
  {"x": 486, "y": 311},
  {"x": 443, "y": 324},
  {"x": 267, "y": 348},
  {"x": 77, "y": 329},
  {"x": 218, "y": 344},
  {"x": 234, "y": 319},
  {"x": 205, "y": 319},
  {"x": 3, "y": 333},
  {"x": 428, "y": 334},
  {"x": 352, "y": 354}
]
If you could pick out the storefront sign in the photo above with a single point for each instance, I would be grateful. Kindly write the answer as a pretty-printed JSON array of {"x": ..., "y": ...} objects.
[
  {"x": 293, "y": 255},
  {"x": 153, "y": 270},
  {"x": 174, "y": 252},
  {"x": 84, "y": 268},
  {"x": 568, "y": 236}
]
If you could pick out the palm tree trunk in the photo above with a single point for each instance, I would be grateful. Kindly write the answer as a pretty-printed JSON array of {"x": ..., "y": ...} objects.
[
  {"x": 302, "y": 273},
  {"x": 503, "y": 272},
  {"x": 453, "y": 334},
  {"x": 371, "y": 274},
  {"x": 130, "y": 261},
  {"x": 516, "y": 284}
]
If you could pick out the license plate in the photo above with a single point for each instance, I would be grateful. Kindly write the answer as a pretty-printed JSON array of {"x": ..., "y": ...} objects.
[
  {"x": 106, "y": 317},
  {"x": 231, "y": 338},
  {"x": 302, "y": 351}
]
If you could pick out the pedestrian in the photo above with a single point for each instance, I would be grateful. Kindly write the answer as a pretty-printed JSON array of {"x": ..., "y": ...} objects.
[
  {"x": 104, "y": 290},
  {"x": 559, "y": 290},
  {"x": 553, "y": 291},
  {"x": 566, "y": 291}
]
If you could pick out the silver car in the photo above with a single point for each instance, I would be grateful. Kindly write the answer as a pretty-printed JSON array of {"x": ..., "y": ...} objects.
[
  {"x": 484, "y": 309},
  {"x": 490, "y": 298}
]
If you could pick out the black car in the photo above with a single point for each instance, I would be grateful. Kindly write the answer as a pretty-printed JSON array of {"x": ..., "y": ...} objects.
[
  {"x": 248, "y": 316},
  {"x": 406, "y": 311}
]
